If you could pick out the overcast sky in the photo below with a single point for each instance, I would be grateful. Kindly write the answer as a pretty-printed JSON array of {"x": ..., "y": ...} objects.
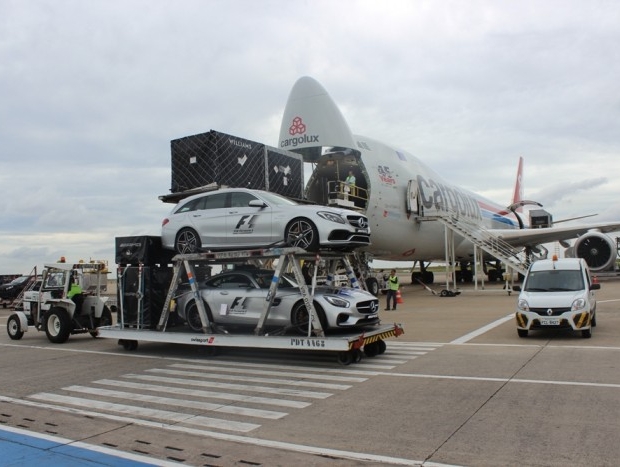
[{"x": 92, "y": 92}]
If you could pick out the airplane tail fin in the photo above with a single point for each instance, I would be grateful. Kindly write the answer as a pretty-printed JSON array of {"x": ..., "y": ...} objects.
[
  {"x": 518, "y": 193},
  {"x": 312, "y": 120}
]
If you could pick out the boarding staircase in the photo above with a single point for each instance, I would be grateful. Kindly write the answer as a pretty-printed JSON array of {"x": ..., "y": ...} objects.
[{"x": 516, "y": 259}]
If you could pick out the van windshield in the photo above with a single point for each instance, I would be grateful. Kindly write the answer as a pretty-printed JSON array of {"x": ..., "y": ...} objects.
[{"x": 554, "y": 281}]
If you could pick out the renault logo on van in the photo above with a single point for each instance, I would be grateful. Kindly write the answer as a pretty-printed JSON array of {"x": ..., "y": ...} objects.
[{"x": 549, "y": 312}]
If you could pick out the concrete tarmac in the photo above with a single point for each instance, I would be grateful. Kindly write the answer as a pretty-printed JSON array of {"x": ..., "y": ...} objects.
[{"x": 458, "y": 388}]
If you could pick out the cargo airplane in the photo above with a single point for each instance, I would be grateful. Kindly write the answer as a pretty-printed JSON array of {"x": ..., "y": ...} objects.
[{"x": 398, "y": 192}]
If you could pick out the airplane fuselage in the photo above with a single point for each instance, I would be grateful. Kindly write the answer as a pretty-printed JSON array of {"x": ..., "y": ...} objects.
[{"x": 403, "y": 197}]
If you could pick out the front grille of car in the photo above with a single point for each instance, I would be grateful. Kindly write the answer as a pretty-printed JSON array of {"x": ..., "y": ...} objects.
[
  {"x": 554, "y": 311},
  {"x": 360, "y": 222},
  {"x": 368, "y": 307}
]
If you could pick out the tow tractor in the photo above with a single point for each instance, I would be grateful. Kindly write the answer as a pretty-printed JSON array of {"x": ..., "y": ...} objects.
[
  {"x": 69, "y": 301},
  {"x": 348, "y": 347}
]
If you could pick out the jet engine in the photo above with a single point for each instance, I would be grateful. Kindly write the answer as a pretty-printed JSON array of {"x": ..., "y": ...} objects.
[{"x": 597, "y": 249}]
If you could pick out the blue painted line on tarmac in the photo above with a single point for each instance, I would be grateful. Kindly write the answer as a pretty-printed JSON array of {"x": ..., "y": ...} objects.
[{"x": 21, "y": 448}]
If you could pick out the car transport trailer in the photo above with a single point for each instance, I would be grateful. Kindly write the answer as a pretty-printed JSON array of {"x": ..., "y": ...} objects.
[{"x": 132, "y": 326}]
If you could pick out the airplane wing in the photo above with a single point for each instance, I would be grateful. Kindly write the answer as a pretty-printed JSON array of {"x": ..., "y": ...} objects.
[{"x": 533, "y": 237}]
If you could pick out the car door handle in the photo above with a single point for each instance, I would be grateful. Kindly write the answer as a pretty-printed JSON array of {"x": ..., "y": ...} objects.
[{"x": 223, "y": 293}]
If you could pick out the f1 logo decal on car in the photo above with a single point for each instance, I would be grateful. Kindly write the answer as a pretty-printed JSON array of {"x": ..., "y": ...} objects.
[
  {"x": 238, "y": 306},
  {"x": 245, "y": 225}
]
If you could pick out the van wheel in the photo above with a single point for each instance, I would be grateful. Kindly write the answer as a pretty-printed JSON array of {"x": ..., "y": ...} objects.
[
  {"x": 57, "y": 325},
  {"x": 522, "y": 332},
  {"x": 586, "y": 333}
]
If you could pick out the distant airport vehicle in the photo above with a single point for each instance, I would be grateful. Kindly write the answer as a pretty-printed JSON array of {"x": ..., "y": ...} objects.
[
  {"x": 557, "y": 294},
  {"x": 242, "y": 218},
  {"x": 68, "y": 302},
  {"x": 401, "y": 197},
  {"x": 237, "y": 298},
  {"x": 11, "y": 290}
]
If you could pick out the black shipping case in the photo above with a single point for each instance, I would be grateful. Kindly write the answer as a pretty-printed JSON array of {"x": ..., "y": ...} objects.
[
  {"x": 215, "y": 158},
  {"x": 141, "y": 295},
  {"x": 144, "y": 249}
]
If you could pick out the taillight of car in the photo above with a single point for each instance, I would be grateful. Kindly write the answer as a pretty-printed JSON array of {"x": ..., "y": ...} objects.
[{"x": 164, "y": 222}]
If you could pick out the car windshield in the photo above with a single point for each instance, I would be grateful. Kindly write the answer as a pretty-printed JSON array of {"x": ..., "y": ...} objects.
[
  {"x": 554, "y": 281},
  {"x": 275, "y": 199}
]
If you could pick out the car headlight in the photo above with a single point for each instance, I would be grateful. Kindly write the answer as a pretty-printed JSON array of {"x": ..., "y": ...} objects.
[
  {"x": 522, "y": 305},
  {"x": 330, "y": 216},
  {"x": 336, "y": 301},
  {"x": 578, "y": 304}
]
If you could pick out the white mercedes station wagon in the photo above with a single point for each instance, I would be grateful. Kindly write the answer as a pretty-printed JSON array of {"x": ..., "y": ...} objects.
[{"x": 233, "y": 218}]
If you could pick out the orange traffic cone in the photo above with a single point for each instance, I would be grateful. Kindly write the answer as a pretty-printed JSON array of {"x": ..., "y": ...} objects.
[{"x": 399, "y": 297}]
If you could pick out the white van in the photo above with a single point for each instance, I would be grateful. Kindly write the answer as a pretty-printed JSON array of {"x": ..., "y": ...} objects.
[{"x": 557, "y": 294}]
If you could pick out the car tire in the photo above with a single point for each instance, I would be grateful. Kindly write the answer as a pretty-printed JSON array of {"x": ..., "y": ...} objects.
[
  {"x": 14, "y": 328},
  {"x": 193, "y": 317},
  {"x": 302, "y": 233},
  {"x": 522, "y": 332},
  {"x": 586, "y": 333},
  {"x": 57, "y": 325},
  {"x": 300, "y": 316},
  {"x": 187, "y": 241}
]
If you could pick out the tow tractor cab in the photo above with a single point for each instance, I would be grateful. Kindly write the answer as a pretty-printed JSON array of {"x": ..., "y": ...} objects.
[
  {"x": 68, "y": 302},
  {"x": 557, "y": 294}
]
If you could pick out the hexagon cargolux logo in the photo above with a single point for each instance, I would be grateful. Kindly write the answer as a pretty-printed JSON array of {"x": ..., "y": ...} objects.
[{"x": 298, "y": 127}]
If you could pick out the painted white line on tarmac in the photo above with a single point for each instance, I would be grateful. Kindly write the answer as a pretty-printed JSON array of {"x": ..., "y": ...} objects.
[
  {"x": 482, "y": 330},
  {"x": 505, "y": 380},
  {"x": 313, "y": 450}
]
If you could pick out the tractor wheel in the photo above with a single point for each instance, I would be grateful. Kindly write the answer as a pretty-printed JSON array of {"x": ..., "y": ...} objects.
[
  {"x": 58, "y": 325},
  {"x": 14, "y": 328}
]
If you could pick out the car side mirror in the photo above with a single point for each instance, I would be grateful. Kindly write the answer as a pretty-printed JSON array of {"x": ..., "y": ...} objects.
[
  {"x": 516, "y": 288},
  {"x": 596, "y": 286},
  {"x": 257, "y": 203}
]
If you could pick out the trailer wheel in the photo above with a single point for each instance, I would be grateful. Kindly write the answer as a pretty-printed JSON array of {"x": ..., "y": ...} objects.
[
  {"x": 302, "y": 233},
  {"x": 345, "y": 358},
  {"x": 300, "y": 317},
  {"x": 128, "y": 344},
  {"x": 372, "y": 349},
  {"x": 381, "y": 345},
  {"x": 14, "y": 328},
  {"x": 57, "y": 325},
  {"x": 105, "y": 320}
]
